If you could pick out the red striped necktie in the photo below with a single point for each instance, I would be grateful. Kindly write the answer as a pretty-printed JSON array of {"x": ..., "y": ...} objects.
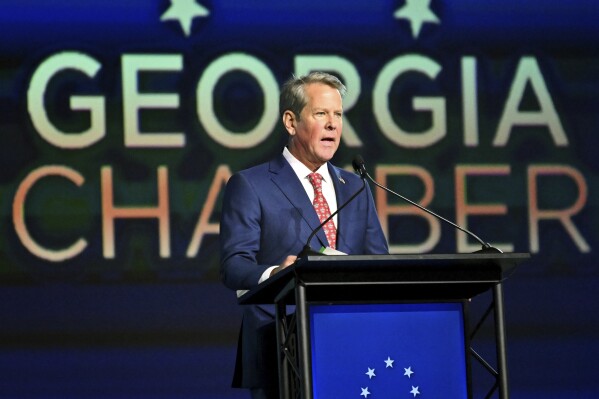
[{"x": 322, "y": 209}]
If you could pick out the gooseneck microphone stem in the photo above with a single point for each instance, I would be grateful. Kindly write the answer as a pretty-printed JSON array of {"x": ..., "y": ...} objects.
[
  {"x": 307, "y": 250},
  {"x": 361, "y": 169},
  {"x": 484, "y": 244}
]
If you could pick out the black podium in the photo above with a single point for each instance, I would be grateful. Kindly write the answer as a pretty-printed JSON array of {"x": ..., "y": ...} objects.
[{"x": 331, "y": 291}]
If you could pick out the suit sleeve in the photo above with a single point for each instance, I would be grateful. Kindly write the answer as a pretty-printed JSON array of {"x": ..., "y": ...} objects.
[{"x": 240, "y": 230}]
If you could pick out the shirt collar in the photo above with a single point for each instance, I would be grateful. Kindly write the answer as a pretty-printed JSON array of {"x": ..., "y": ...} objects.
[{"x": 302, "y": 171}]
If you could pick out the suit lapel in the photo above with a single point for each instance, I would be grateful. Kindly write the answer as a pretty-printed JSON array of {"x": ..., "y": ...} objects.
[{"x": 286, "y": 180}]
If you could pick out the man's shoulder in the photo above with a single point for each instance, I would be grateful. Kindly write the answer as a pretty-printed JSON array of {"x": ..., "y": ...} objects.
[
  {"x": 273, "y": 164},
  {"x": 254, "y": 169}
]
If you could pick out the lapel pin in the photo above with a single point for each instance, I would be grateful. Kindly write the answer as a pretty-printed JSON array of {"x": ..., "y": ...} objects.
[{"x": 341, "y": 180}]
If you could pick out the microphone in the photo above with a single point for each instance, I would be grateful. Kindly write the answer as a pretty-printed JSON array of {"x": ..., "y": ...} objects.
[
  {"x": 307, "y": 250},
  {"x": 360, "y": 168}
]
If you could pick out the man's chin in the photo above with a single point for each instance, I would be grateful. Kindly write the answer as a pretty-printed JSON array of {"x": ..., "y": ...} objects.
[{"x": 327, "y": 152}]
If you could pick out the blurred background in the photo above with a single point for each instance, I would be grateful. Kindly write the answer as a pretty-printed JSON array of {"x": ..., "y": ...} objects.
[{"x": 121, "y": 121}]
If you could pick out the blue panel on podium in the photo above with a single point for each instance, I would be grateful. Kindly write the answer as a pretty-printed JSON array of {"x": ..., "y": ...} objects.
[{"x": 388, "y": 350}]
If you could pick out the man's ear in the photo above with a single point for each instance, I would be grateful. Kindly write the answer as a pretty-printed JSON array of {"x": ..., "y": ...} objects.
[{"x": 289, "y": 121}]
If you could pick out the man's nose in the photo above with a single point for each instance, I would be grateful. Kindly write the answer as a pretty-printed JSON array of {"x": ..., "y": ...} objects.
[{"x": 331, "y": 123}]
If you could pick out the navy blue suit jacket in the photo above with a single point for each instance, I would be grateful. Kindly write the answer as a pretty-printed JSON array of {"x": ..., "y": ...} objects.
[{"x": 267, "y": 216}]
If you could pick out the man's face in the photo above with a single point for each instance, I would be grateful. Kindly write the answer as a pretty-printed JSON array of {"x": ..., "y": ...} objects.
[{"x": 314, "y": 138}]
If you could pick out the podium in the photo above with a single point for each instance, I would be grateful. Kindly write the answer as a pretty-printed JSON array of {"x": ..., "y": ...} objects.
[{"x": 399, "y": 306}]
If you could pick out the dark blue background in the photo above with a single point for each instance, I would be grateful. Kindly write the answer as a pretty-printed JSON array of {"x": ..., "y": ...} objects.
[{"x": 143, "y": 327}]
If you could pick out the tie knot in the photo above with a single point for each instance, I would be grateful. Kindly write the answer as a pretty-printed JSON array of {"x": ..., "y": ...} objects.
[{"x": 315, "y": 180}]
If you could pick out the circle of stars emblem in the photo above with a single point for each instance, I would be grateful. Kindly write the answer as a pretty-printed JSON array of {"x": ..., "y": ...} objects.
[{"x": 371, "y": 373}]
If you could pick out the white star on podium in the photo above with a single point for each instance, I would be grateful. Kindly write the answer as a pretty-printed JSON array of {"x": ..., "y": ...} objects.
[
  {"x": 415, "y": 391},
  {"x": 389, "y": 362},
  {"x": 370, "y": 373}
]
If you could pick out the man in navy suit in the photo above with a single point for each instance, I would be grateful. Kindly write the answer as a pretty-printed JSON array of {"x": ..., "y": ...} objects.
[{"x": 268, "y": 215}]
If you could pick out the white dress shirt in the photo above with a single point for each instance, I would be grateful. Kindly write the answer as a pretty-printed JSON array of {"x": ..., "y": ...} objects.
[{"x": 302, "y": 172}]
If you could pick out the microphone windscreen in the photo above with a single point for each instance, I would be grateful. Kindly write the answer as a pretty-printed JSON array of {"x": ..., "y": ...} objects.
[{"x": 358, "y": 165}]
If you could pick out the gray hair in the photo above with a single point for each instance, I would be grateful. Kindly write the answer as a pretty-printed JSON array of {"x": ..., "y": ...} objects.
[{"x": 293, "y": 92}]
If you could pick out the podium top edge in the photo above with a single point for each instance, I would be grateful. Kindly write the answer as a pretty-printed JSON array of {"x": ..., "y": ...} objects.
[
  {"x": 516, "y": 256},
  {"x": 332, "y": 263}
]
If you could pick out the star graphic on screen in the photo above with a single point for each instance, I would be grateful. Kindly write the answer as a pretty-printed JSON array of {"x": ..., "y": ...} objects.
[
  {"x": 387, "y": 381},
  {"x": 389, "y": 362},
  {"x": 417, "y": 12},
  {"x": 415, "y": 391},
  {"x": 184, "y": 11},
  {"x": 370, "y": 373}
]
